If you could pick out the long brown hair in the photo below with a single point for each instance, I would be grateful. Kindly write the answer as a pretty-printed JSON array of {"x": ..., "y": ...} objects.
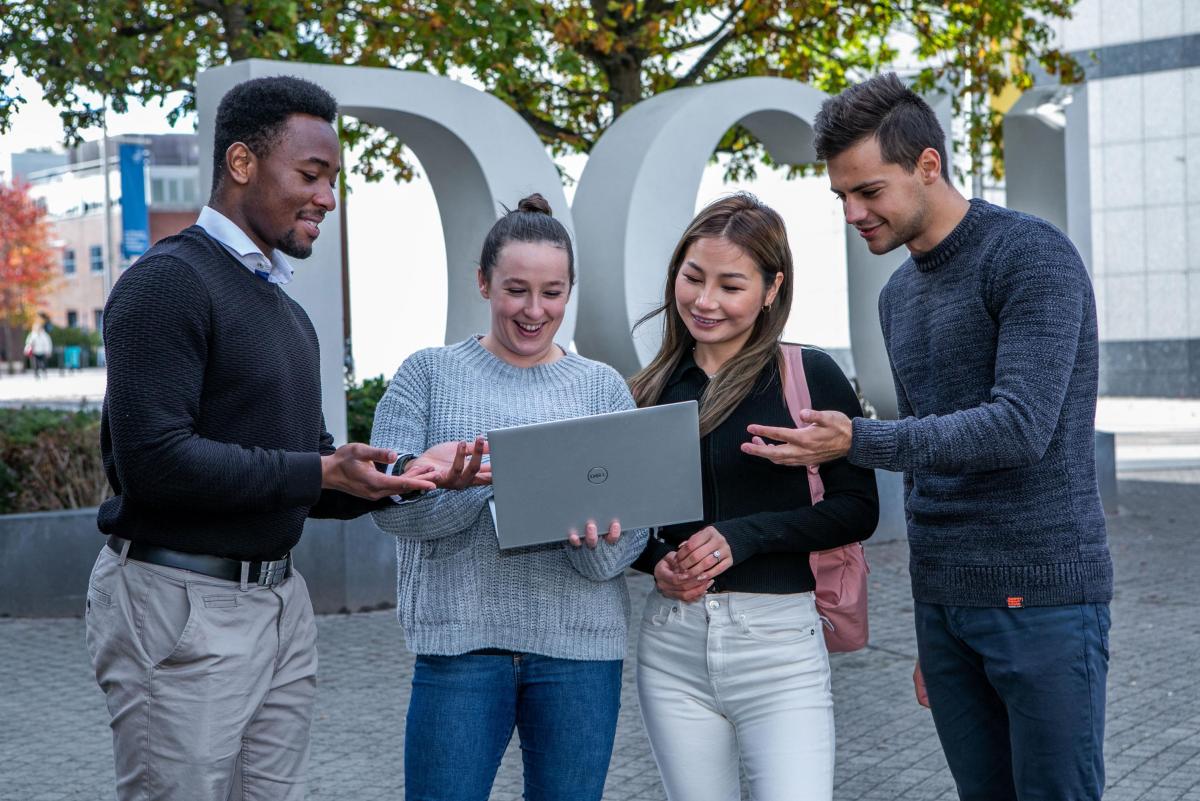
[{"x": 758, "y": 230}]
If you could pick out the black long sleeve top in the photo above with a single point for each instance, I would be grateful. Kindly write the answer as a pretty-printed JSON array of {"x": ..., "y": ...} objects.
[
  {"x": 764, "y": 510},
  {"x": 212, "y": 431}
]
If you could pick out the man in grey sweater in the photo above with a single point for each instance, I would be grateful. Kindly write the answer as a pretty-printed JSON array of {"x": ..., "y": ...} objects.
[{"x": 990, "y": 327}]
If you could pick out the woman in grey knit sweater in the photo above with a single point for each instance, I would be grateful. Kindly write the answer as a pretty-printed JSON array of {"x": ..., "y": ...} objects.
[{"x": 529, "y": 638}]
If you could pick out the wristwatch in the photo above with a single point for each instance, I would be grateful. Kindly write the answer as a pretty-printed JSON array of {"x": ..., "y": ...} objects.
[
  {"x": 402, "y": 462},
  {"x": 396, "y": 467}
]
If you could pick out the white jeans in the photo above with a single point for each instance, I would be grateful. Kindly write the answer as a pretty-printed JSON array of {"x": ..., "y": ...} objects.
[{"x": 737, "y": 675}]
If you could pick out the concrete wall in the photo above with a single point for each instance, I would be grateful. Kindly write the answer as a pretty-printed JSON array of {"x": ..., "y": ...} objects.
[
  {"x": 350, "y": 566},
  {"x": 1142, "y": 59},
  {"x": 45, "y": 560}
]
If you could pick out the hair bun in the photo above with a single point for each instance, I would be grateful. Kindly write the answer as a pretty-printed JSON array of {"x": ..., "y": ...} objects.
[{"x": 536, "y": 204}]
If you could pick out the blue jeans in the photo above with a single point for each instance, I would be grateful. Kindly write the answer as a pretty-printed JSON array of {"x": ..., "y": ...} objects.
[
  {"x": 463, "y": 711},
  {"x": 1018, "y": 698}
]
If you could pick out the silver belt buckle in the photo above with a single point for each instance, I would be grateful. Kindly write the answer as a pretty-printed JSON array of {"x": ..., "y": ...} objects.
[{"x": 274, "y": 572}]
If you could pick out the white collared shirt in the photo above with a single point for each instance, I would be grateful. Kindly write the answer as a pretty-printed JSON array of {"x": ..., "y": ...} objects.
[{"x": 235, "y": 240}]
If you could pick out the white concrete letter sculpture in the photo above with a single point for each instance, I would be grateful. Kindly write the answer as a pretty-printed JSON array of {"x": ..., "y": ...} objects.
[{"x": 635, "y": 197}]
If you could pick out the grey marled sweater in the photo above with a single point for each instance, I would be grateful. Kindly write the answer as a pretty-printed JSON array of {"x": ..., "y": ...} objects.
[
  {"x": 457, "y": 591},
  {"x": 993, "y": 346}
]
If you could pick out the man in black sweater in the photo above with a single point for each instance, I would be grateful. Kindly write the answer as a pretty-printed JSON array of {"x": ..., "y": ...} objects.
[
  {"x": 991, "y": 333},
  {"x": 200, "y": 630}
]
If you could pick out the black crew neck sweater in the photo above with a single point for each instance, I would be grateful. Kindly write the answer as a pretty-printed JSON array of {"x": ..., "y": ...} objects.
[
  {"x": 764, "y": 510},
  {"x": 211, "y": 430}
]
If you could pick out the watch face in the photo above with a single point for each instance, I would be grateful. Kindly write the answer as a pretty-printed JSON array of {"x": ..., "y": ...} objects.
[{"x": 384, "y": 467}]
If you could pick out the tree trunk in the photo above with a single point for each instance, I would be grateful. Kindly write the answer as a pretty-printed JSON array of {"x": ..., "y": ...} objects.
[
  {"x": 8, "y": 345},
  {"x": 624, "y": 73},
  {"x": 233, "y": 20},
  {"x": 6, "y": 320}
]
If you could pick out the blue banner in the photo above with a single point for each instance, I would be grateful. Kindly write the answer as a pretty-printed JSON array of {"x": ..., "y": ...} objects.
[{"x": 135, "y": 215}]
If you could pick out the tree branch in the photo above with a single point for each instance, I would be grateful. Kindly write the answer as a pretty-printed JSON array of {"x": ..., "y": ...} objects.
[
  {"x": 702, "y": 63},
  {"x": 714, "y": 50},
  {"x": 587, "y": 94},
  {"x": 708, "y": 37},
  {"x": 143, "y": 29},
  {"x": 549, "y": 130},
  {"x": 653, "y": 7}
]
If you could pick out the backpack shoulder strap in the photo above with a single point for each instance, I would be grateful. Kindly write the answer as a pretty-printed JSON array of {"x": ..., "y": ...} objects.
[{"x": 797, "y": 397}]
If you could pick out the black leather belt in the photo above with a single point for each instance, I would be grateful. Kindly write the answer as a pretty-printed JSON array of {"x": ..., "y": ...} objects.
[{"x": 265, "y": 574}]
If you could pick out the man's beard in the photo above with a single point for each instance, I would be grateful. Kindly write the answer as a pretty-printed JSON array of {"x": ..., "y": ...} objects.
[
  {"x": 906, "y": 230},
  {"x": 292, "y": 246}
]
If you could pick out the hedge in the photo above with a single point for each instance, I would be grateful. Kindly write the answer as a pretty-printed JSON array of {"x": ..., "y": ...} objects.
[
  {"x": 50, "y": 460},
  {"x": 360, "y": 407}
]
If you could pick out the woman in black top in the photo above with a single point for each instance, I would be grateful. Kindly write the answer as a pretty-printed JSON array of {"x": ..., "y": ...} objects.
[{"x": 732, "y": 664}]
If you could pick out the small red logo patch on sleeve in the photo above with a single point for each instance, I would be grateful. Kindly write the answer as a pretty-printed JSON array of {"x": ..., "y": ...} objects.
[{"x": 1016, "y": 601}]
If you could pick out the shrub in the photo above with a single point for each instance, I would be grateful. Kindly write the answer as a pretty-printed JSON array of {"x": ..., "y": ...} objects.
[
  {"x": 61, "y": 335},
  {"x": 50, "y": 459},
  {"x": 361, "y": 400}
]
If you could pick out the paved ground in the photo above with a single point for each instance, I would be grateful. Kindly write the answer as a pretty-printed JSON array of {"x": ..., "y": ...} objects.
[
  {"x": 54, "y": 742},
  {"x": 68, "y": 389}
]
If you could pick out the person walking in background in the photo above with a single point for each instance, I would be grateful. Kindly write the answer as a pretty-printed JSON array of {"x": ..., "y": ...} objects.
[
  {"x": 528, "y": 638},
  {"x": 990, "y": 326},
  {"x": 199, "y": 627},
  {"x": 38, "y": 348},
  {"x": 732, "y": 662}
]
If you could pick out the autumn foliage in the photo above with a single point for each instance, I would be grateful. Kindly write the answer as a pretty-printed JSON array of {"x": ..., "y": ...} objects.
[
  {"x": 568, "y": 67},
  {"x": 28, "y": 261}
]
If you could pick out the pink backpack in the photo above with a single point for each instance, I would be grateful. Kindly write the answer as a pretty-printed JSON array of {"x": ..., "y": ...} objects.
[{"x": 841, "y": 573}]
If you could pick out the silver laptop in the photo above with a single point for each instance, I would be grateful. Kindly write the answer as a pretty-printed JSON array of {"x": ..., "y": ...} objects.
[{"x": 641, "y": 467}]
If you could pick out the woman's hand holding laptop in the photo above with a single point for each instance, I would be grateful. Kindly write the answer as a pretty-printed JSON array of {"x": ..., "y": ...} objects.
[{"x": 591, "y": 535}]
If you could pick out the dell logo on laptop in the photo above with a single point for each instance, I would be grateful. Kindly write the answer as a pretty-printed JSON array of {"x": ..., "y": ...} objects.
[{"x": 598, "y": 475}]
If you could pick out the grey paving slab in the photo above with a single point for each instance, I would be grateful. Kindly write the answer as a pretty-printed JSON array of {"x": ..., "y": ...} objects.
[{"x": 54, "y": 740}]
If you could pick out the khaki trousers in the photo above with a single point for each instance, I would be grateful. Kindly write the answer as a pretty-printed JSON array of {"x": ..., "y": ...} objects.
[{"x": 210, "y": 687}]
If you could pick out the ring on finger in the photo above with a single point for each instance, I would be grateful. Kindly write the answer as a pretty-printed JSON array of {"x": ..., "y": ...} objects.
[{"x": 716, "y": 555}]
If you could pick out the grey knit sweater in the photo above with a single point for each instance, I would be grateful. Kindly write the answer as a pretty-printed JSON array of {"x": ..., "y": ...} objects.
[
  {"x": 993, "y": 346},
  {"x": 456, "y": 590}
]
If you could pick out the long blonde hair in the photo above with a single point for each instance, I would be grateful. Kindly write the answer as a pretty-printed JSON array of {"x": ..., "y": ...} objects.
[{"x": 758, "y": 230}]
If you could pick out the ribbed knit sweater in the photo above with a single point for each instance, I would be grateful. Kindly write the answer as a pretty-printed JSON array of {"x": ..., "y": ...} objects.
[
  {"x": 212, "y": 432},
  {"x": 456, "y": 590},
  {"x": 765, "y": 511},
  {"x": 993, "y": 347}
]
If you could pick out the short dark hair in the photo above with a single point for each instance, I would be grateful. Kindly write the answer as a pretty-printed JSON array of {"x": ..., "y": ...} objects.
[
  {"x": 531, "y": 221},
  {"x": 254, "y": 113},
  {"x": 885, "y": 108}
]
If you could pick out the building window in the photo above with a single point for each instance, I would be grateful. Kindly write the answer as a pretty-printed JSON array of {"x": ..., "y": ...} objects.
[
  {"x": 68, "y": 262},
  {"x": 98, "y": 316},
  {"x": 96, "y": 257},
  {"x": 72, "y": 318}
]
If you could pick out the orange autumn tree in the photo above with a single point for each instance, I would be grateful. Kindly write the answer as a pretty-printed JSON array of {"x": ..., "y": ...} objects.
[{"x": 28, "y": 262}]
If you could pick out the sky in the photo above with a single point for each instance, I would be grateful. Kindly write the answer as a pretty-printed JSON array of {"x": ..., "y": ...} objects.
[{"x": 397, "y": 258}]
